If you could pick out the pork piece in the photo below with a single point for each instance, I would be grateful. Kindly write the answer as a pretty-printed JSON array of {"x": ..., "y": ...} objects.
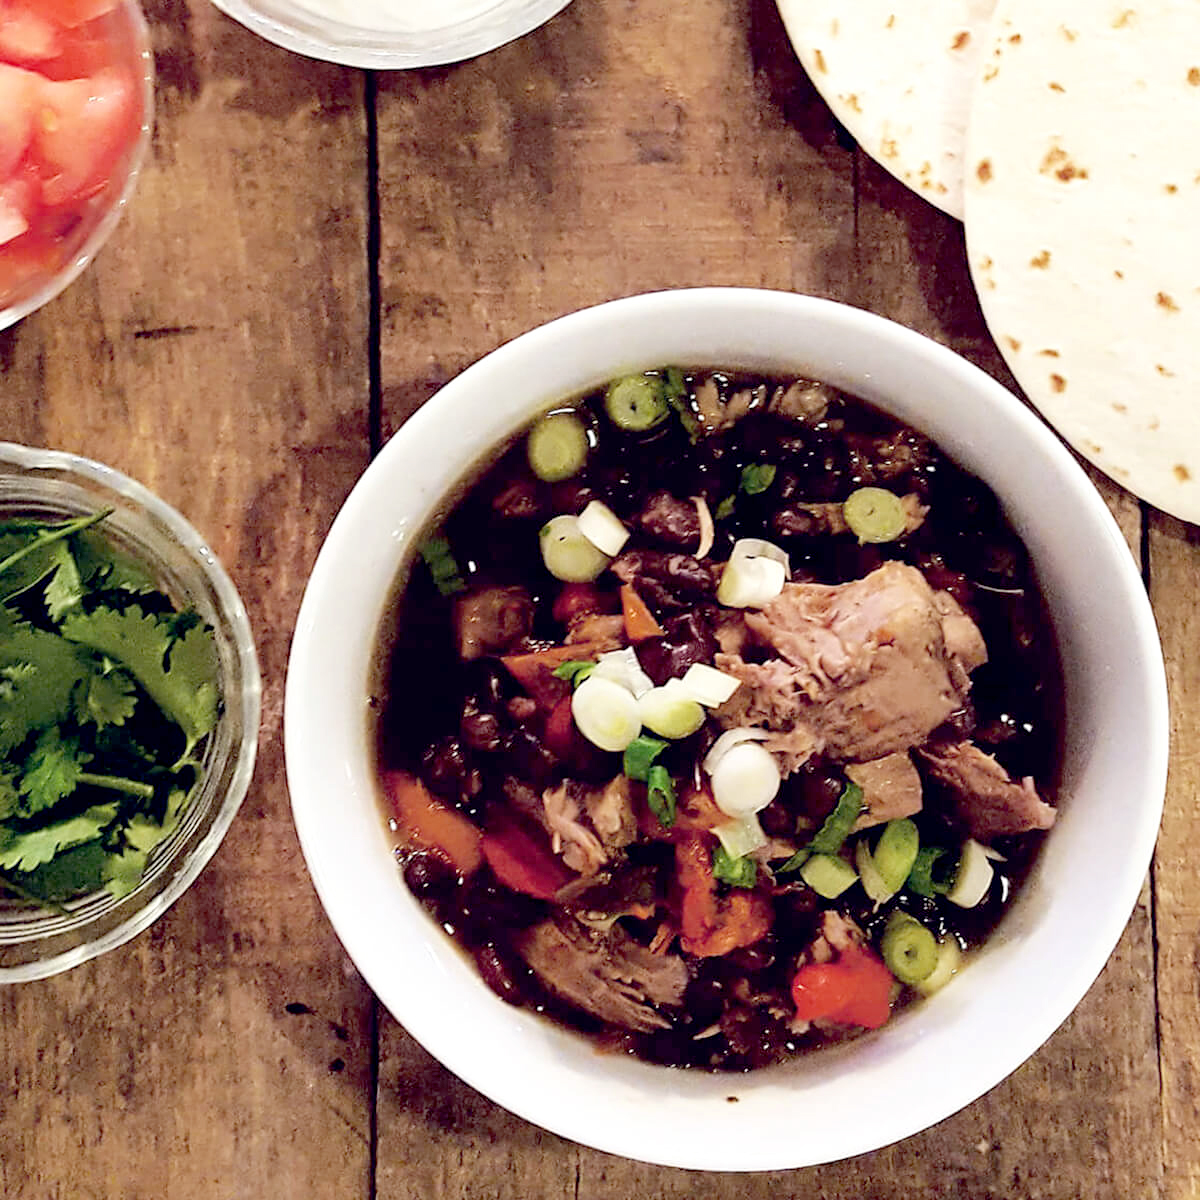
[
  {"x": 804, "y": 400},
  {"x": 608, "y": 975},
  {"x": 602, "y": 628},
  {"x": 838, "y": 934},
  {"x": 491, "y": 619},
  {"x": 863, "y": 666},
  {"x": 589, "y": 825},
  {"x": 671, "y": 521},
  {"x": 891, "y": 789},
  {"x": 988, "y": 800},
  {"x": 716, "y": 413}
]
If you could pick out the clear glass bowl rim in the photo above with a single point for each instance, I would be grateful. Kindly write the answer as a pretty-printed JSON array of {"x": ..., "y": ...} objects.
[{"x": 232, "y": 612}]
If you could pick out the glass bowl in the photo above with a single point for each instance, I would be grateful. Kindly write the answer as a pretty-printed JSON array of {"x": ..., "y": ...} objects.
[
  {"x": 34, "y": 941},
  {"x": 31, "y": 276},
  {"x": 393, "y": 38}
]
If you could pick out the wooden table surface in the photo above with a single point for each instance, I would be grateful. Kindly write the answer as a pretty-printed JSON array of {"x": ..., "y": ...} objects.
[{"x": 310, "y": 253}]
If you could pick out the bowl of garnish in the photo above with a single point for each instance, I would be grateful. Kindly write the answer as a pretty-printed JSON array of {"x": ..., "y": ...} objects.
[
  {"x": 708, "y": 697},
  {"x": 129, "y": 709},
  {"x": 76, "y": 90}
]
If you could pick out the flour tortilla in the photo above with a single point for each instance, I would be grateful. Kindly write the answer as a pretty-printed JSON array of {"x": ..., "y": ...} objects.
[
  {"x": 1083, "y": 228},
  {"x": 898, "y": 74}
]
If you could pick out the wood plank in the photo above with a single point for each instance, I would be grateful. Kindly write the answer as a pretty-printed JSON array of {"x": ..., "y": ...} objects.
[
  {"x": 1174, "y": 584},
  {"x": 216, "y": 351}
]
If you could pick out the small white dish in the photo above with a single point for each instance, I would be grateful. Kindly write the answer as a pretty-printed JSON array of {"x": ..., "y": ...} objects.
[
  {"x": 934, "y": 1057},
  {"x": 401, "y": 35}
]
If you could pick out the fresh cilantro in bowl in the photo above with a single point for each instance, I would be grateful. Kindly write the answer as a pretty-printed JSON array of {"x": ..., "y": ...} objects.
[{"x": 107, "y": 693}]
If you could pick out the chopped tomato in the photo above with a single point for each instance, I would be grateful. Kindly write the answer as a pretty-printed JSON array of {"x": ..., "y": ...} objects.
[
  {"x": 639, "y": 620},
  {"x": 18, "y": 91},
  {"x": 70, "y": 13},
  {"x": 81, "y": 127},
  {"x": 854, "y": 989},
  {"x": 576, "y": 600},
  {"x": 712, "y": 925},
  {"x": 18, "y": 201},
  {"x": 560, "y": 729},
  {"x": 425, "y": 822},
  {"x": 27, "y": 36},
  {"x": 523, "y": 861}
]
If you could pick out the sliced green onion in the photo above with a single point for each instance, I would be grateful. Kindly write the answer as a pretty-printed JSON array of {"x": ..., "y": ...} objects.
[
  {"x": 674, "y": 383},
  {"x": 973, "y": 877},
  {"x": 708, "y": 686},
  {"x": 874, "y": 515},
  {"x": 949, "y": 959},
  {"x": 602, "y": 527},
  {"x": 605, "y": 713},
  {"x": 640, "y": 755},
  {"x": 795, "y": 862},
  {"x": 660, "y": 795},
  {"x": 737, "y": 872},
  {"x": 923, "y": 879},
  {"x": 636, "y": 403},
  {"x": 868, "y": 873},
  {"x": 745, "y": 779},
  {"x": 439, "y": 558},
  {"x": 757, "y": 477},
  {"x": 622, "y": 666},
  {"x": 828, "y": 875},
  {"x": 836, "y": 827},
  {"x": 557, "y": 447},
  {"x": 750, "y": 582},
  {"x": 574, "y": 670},
  {"x": 569, "y": 555},
  {"x": 670, "y": 711},
  {"x": 909, "y": 949},
  {"x": 741, "y": 837},
  {"x": 895, "y": 852}
]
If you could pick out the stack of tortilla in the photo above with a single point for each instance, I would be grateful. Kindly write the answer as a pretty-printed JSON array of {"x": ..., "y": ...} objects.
[{"x": 1066, "y": 133}]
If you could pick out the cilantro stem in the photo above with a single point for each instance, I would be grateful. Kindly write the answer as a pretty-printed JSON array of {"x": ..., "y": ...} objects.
[
  {"x": 57, "y": 534},
  {"x": 117, "y": 783}
]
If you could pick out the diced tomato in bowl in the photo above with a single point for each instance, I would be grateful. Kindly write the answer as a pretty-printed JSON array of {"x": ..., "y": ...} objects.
[{"x": 74, "y": 115}]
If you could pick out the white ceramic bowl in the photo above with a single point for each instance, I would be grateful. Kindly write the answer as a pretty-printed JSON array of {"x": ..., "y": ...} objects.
[
  {"x": 1051, "y": 944},
  {"x": 408, "y": 33}
]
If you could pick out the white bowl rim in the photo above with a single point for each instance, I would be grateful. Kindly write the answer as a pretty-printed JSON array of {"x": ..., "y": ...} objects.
[
  {"x": 332, "y": 41},
  {"x": 700, "y": 1131}
]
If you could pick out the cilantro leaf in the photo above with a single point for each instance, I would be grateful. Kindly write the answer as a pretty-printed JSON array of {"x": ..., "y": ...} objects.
[
  {"x": 24, "y": 850},
  {"x": 9, "y": 796},
  {"x": 660, "y": 795},
  {"x": 72, "y": 872},
  {"x": 185, "y": 687},
  {"x": 41, "y": 672},
  {"x": 52, "y": 771},
  {"x": 108, "y": 699}
]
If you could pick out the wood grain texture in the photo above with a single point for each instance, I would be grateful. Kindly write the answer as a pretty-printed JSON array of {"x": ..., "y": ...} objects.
[
  {"x": 217, "y": 351},
  {"x": 1174, "y": 585}
]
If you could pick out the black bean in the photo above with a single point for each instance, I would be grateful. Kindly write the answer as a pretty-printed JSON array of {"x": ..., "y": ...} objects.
[{"x": 498, "y": 974}]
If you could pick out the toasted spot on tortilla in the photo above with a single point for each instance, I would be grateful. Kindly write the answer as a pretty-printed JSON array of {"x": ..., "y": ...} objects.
[
  {"x": 984, "y": 170},
  {"x": 1153, "y": 424},
  {"x": 990, "y": 73},
  {"x": 1049, "y": 353},
  {"x": 1069, "y": 34},
  {"x": 852, "y": 102},
  {"x": 1182, "y": 473},
  {"x": 890, "y": 21},
  {"x": 1165, "y": 301},
  {"x": 1119, "y": 407},
  {"x": 1194, "y": 76},
  {"x": 1014, "y": 344},
  {"x": 1058, "y": 162},
  {"x": 1058, "y": 383},
  {"x": 1166, "y": 372},
  {"x": 1040, "y": 261},
  {"x": 820, "y": 58},
  {"x": 960, "y": 40},
  {"x": 888, "y": 148},
  {"x": 1015, "y": 39},
  {"x": 1124, "y": 19},
  {"x": 1056, "y": 87},
  {"x": 1094, "y": 447},
  {"x": 1119, "y": 274},
  {"x": 1170, "y": 188}
]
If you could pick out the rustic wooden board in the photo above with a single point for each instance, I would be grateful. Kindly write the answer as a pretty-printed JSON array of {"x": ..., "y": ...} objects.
[
  {"x": 217, "y": 351},
  {"x": 1174, "y": 585}
]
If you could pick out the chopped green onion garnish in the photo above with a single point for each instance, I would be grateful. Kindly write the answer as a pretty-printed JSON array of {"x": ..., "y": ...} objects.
[
  {"x": 874, "y": 515},
  {"x": 557, "y": 447},
  {"x": 922, "y": 880},
  {"x": 795, "y": 862},
  {"x": 636, "y": 403},
  {"x": 896, "y": 852},
  {"x": 674, "y": 383},
  {"x": 828, "y": 875},
  {"x": 909, "y": 949},
  {"x": 725, "y": 508},
  {"x": 757, "y": 477},
  {"x": 660, "y": 795},
  {"x": 829, "y": 838},
  {"x": 574, "y": 670},
  {"x": 737, "y": 872},
  {"x": 439, "y": 558},
  {"x": 640, "y": 755}
]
